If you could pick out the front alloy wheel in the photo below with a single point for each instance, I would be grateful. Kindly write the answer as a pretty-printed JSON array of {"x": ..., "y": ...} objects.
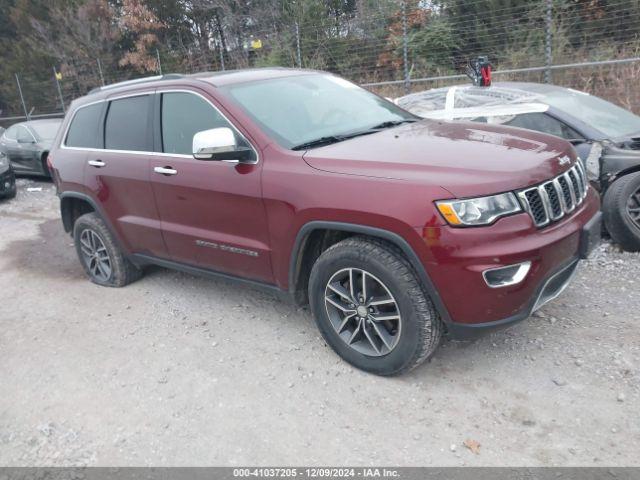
[
  {"x": 363, "y": 312},
  {"x": 371, "y": 307},
  {"x": 633, "y": 207}
]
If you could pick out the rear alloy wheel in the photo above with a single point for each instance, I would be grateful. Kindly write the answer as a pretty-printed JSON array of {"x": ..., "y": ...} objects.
[
  {"x": 621, "y": 208},
  {"x": 95, "y": 255},
  {"x": 371, "y": 308},
  {"x": 99, "y": 254}
]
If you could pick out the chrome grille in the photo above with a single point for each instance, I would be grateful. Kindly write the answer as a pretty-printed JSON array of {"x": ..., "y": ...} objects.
[{"x": 552, "y": 200}]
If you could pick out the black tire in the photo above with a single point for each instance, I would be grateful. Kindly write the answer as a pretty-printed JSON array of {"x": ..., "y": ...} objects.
[
  {"x": 121, "y": 271},
  {"x": 420, "y": 330},
  {"x": 45, "y": 168},
  {"x": 12, "y": 193},
  {"x": 622, "y": 228}
]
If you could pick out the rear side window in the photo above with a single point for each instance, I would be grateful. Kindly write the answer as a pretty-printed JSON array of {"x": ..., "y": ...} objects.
[
  {"x": 83, "y": 131},
  {"x": 126, "y": 124},
  {"x": 184, "y": 115}
]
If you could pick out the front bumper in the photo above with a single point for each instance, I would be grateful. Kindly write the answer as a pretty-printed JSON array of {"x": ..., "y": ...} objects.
[
  {"x": 7, "y": 182},
  {"x": 461, "y": 255},
  {"x": 549, "y": 290}
]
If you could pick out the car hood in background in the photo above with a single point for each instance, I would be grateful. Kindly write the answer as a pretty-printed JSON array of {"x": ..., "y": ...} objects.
[{"x": 467, "y": 159}]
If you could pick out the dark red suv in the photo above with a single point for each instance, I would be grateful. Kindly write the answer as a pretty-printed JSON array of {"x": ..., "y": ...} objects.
[{"x": 396, "y": 231}]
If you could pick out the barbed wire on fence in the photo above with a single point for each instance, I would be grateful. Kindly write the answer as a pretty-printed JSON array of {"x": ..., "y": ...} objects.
[{"x": 383, "y": 50}]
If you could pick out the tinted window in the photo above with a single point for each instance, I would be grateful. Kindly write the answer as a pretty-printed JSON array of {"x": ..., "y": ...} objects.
[
  {"x": 83, "y": 131},
  {"x": 12, "y": 133},
  {"x": 184, "y": 115},
  {"x": 542, "y": 122},
  {"x": 126, "y": 124}
]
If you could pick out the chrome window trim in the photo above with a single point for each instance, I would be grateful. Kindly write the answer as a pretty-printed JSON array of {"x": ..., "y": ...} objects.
[
  {"x": 160, "y": 154},
  {"x": 63, "y": 141}
]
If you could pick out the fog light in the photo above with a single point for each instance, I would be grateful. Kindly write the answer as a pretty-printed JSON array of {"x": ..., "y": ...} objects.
[{"x": 506, "y": 276}]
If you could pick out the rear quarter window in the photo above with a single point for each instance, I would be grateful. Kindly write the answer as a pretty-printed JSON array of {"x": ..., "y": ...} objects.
[{"x": 83, "y": 131}]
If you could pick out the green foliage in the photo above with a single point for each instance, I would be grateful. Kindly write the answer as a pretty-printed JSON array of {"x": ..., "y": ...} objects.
[{"x": 432, "y": 46}]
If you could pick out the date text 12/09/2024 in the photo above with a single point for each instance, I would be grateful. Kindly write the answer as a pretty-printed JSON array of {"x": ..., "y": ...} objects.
[{"x": 316, "y": 472}]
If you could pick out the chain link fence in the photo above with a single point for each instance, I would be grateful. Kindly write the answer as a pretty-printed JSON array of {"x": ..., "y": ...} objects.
[{"x": 391, "y": 47}]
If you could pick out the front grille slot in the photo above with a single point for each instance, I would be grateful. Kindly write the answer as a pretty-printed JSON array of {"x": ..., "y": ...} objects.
[{"x": 552, "y": 200}]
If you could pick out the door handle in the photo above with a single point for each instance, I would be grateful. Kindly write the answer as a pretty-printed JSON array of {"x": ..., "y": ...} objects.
[
  {"x": 97, "y": 163},
  {"x": 165, "y": 170}
]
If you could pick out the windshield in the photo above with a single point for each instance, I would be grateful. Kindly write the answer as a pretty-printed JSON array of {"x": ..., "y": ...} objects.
[
  {"x": 610, "y": 119},
  {"x": 46, "y": 130},
  {"x": 300, "y": 109}
]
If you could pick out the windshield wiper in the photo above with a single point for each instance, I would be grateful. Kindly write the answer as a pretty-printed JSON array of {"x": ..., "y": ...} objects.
[
  {"x": 392, "y": 123},
  {"x": 328, "y": 140},
  {"x": 318, "y": 142}
]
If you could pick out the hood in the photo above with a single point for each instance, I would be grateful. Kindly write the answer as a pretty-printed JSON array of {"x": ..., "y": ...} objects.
[{"x": 467, "y": 159}]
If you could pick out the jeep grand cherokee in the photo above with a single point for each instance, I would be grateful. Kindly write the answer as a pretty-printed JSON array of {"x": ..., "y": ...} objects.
[{"x": 395, "y": 230}]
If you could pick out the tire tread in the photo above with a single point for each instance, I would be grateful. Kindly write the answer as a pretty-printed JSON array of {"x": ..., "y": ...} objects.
[{"x": 431, "y": 328}]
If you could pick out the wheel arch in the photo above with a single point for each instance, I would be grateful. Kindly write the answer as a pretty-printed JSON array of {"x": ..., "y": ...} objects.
[
  {"x": 314, "y": 237},
  {"x": 627, "y": 171}
]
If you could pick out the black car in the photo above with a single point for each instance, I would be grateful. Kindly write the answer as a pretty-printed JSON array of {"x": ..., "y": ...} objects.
[
  {"x": 27, "y": 145},
  {"x": 7, "y": 178},
  {"x": 606, "y": 137}
]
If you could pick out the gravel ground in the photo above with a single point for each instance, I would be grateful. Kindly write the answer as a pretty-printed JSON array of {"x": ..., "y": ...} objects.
[{"x": 180, "y": 370}]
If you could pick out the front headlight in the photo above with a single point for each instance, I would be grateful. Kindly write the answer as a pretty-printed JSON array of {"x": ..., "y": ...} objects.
[
  {"x": 4, "y": 161},
  {"x": 478, "y": 211}
]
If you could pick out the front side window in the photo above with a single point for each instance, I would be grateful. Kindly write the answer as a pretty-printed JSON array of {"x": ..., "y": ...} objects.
[
  {"x": 126, "y": 124},
  {"x": 83, "y": 131},
  {"x": 24, "y": 136},
  {"x": 541, "y": 122},
  {"x": 183, "y": 115},
  {"x": 299, "y": 109}
]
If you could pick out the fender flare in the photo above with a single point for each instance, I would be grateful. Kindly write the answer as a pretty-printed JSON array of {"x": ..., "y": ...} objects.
[
  {"x": 390, "y": 237},
  {"x": 96, "y": 208}
]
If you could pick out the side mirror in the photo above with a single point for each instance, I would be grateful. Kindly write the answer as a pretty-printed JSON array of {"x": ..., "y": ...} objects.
[{"x": 219, "y": 144}]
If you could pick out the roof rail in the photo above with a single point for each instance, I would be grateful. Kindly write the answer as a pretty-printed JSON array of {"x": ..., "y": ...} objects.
[{"x": 169, "y": 76}]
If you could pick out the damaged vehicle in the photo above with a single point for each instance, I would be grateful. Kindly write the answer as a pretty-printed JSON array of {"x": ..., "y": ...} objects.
[
  {"x": 27, "y": 145},
  {"x": 7, "y": 178},
  {"x": 606, "y": 137}
]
